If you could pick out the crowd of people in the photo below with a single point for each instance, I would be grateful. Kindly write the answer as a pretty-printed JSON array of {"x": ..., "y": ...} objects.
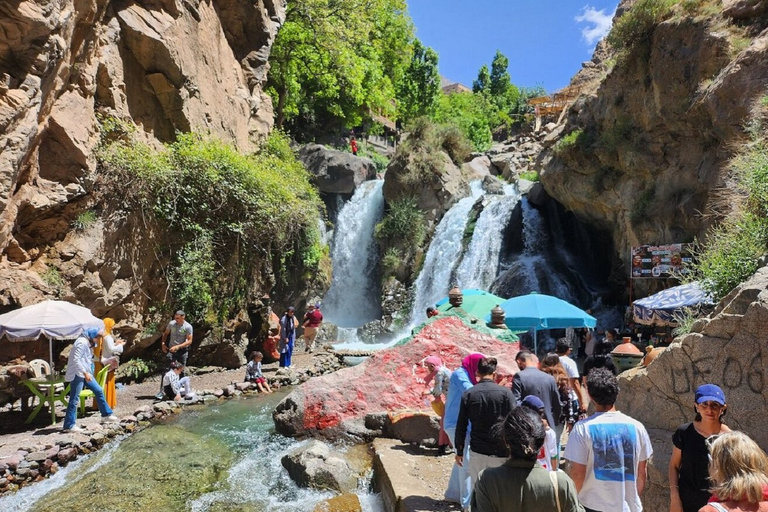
[
  {"x": 511, "y": 442},
  {"x": 96, "y": 350}
]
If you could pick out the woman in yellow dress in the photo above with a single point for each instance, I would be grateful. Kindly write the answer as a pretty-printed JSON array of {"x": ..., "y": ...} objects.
[{"x": 108, "y": 351}]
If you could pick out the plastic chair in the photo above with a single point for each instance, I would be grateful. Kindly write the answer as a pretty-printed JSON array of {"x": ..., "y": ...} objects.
[
  {"x": 85, "y": 394},
  {"x": 43, "y": 369}
]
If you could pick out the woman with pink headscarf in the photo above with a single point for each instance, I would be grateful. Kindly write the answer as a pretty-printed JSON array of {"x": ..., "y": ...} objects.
[
  {"x": 460, "y": 486},
  {"x": 440, "y": 375}
]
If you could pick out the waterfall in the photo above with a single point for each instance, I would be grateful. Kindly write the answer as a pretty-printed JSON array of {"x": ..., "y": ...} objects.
[
  {"x": 353, "y": 297},
  {"x": 480, "y": 264},
  {"x": 434, "y": 280}
]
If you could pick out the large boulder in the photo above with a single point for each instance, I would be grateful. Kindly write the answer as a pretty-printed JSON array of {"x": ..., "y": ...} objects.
[
  {"x": 435, "y": 191},
  {"x": 314, "y": 466},
  {"x": 726, "y": 350},
  {"x": 336, "y": 172},
  {"x": 335, "y": 406}
]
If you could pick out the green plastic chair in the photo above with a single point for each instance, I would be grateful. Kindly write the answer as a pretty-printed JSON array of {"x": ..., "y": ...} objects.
[{"x": 85, "y": 394}]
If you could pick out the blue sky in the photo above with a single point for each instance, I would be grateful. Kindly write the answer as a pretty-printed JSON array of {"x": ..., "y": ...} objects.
[{"x": 545, "y": 40}]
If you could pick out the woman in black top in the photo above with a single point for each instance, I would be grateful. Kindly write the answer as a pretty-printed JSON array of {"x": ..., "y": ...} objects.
[
  {"x": 601, "y": 358},
  {"x": 688, "y": 468}
]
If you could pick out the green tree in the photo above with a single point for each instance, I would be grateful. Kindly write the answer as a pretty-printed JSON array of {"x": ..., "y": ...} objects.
[
  {"x": 469, "y": 112},
  {"x": 334, "y": 62},
  {"x": 500, "y": 81},
  {"x": 419, "y": 90},
  {"x": 483, "y": 80}
]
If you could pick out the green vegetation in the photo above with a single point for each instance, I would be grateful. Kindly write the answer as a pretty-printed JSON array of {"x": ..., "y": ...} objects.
[
  {"x": 403, "y": 224},
  {"x": 54, "y": 280},
  {"x": 642, "y": 204},
  {"x": 530, "y": 175},
  {"x": 228, "y": 215},
  {"x": 633, "y": 31},
  {"x": 333, "y": 63},
  {"x": 575, "y": 139},
  {"x": 391, "y": 261},
  {"x": 419, "y": 90},
  {"x": 421, "y": 150},
  {"x": 731, "y": 250},
  {"x": 685, "y": 319},
  {"x": 135, "y": 370},
  {"x": 84, "y": 220}
]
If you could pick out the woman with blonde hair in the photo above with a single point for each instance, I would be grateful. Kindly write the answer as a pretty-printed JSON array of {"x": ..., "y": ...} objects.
[
  {"x": 739, "y": 475},
  {"x": 109, "y": 356}
]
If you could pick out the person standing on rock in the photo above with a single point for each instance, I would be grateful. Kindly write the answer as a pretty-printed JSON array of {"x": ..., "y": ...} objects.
[
  {"x": 484, "y": 405},
  {"x": 441, "y": 376},
  {"x": 521, "y": 483},
  {"x": 608, "y": 452},
  {"x": 688, "y": 476},
  {"x": 175, "y": 343},
  {"x": 79, "y": 375},
  {"x": 463, "y": 378},
  {"x": 353, "y": 145},
  {"x": 532, "y": 381},
  {"x": 312, "y": 321},
  {"x": 288, "y": 325}
]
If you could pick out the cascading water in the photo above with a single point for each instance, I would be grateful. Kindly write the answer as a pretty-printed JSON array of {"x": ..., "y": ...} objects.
[
  {"x": 480, "y": 264},
  {"x": 249, "y": 477},
  {"x": 434, "y": 279},
  {"x": 353, "y": 298}
]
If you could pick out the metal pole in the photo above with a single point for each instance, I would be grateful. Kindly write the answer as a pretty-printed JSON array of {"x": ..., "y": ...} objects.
[{"x": 535, "y": 343}]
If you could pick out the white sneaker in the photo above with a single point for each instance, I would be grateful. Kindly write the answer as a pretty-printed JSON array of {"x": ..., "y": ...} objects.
[
  {"x": 74, "y": 428},
  {"x": 109, "y": 419},
  {"x": 189, "y": 396}
]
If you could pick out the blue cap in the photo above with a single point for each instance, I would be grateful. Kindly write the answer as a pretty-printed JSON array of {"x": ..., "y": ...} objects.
[
  {"x": 91, "y": 332},
  {"x": 710, "y": 393},
  {"x": 533, "y": 401}
]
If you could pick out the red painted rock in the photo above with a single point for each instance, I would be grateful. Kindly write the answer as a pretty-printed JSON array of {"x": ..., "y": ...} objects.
[
  {"x": 67, "y": 454},
  {"x": 335, "y": 405}
]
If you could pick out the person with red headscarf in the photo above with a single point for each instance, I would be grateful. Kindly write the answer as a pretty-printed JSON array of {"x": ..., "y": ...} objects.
[
  {"x": 463, "y": 378},
  {"x": 440, "y": 375}
]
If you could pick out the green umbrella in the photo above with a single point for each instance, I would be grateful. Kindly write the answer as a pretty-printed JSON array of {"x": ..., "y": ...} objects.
[{"x": 478, "y": 305}]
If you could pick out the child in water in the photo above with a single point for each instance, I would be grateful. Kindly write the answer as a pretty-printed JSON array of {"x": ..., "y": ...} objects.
[{"x": 253, "y": 372}]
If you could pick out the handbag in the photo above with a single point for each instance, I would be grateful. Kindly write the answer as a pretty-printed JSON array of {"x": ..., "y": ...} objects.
[{"x": 553, "y": 479}]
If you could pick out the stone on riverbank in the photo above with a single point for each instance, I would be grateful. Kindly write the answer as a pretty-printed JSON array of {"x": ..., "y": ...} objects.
[
  {"x": 335, "y": 406},
  {"x": 314, "y": 466}
]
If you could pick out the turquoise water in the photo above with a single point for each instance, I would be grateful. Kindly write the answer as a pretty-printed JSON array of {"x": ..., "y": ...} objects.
[{"x": 221, "y": 457}]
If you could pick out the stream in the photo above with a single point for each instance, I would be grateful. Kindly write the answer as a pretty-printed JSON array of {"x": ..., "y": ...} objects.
[{"x": 215, "y": 458}]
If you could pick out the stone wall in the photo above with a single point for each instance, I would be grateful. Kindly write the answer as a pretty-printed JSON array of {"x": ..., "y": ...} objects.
[{"x": 727, "y": 349}]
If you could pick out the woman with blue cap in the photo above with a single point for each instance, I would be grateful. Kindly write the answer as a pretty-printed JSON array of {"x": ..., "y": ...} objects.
[
  {"x": 688, "y": 468},
  {"x": 79, "y": 368}
]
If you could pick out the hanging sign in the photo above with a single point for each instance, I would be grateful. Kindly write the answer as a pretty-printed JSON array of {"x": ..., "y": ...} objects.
[{"x": 659, "y": 261}]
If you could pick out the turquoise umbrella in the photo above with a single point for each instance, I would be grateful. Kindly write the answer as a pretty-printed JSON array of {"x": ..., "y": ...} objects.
[{"x": 538, "y": 311}]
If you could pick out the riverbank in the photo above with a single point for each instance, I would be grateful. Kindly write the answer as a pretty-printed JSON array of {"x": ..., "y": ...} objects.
[{"x": 30, "y": 453}]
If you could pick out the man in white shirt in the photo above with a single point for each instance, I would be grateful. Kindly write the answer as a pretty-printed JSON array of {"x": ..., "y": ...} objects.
[
  {"x": 578, "y": 399},
  {"x": 608, "y": 452},
  {"x": 79, "y": 375}
]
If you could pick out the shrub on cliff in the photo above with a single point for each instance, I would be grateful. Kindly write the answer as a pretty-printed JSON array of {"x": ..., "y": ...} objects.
[
  {"x": 633, "y": 30},
  {"x": 731, "y": 251},
  {"x": 227, "y": 215}
]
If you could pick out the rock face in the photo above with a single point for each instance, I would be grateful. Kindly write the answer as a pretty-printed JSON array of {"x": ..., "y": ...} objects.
[
  {"x": 655, "y": 131},
  {"x": 725, "y": 349},
  {"x": 336, "y": 172},
  {"x": 161, "y": 65},
  {"x": 314, "y": 466},
  {"x": 335, "y": 406},
  {"x": 435, "y": 193}
]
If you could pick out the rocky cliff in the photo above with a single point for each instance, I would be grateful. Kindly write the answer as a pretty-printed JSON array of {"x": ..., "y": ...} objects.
[
  {"x": 66, "y": 66},
  {"x": 644, "y": 151}
]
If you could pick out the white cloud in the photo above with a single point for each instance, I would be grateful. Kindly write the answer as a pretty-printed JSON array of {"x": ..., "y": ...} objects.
[{"x": 599, "y": 24}]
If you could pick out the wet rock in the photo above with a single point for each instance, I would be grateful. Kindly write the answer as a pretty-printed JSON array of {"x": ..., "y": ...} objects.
[
  {"x": 163, "y": 407},
  {"x": 244, "y": 386},
  {"x": 229, "y": 390},
  {"x": 98, "y": 439},
  {"x": 314, "y": 466},
  {"x": 343, "y": 503}
]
